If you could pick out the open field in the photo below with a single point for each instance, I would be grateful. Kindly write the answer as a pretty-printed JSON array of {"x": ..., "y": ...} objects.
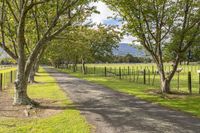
[
  {"x": 67, "y": 119},
  {"x": 181, "y": 101},
  {"x": 135, "y": 73}
]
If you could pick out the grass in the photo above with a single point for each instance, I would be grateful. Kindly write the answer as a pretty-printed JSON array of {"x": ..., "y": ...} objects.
[
  {"x": 185, "y": 103},
  {"x": 7, "y": 70},
  {"x": 68, "y": 121},
  {"x": 150, "y": 70}
]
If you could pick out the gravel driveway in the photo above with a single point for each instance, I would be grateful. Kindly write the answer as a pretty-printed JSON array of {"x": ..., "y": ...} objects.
[{"x": 113, "y": 112}]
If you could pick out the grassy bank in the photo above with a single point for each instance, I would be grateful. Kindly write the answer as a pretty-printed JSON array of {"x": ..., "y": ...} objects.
[
  {"x": 186, "y": 103},
  {"x": 67, "y": 121}
]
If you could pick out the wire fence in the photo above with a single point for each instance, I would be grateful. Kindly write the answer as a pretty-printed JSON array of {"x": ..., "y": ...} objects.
[
  {"x": 7, "y": 78},
  {"x": 186, "y": 79}
]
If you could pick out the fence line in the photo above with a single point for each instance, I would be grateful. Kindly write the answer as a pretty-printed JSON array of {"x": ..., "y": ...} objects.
[
  {"x": 7, "y": 78},
  {"x": 188, "y": 80}
]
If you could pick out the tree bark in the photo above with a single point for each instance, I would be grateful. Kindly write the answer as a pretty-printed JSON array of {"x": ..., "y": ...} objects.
[
  {"x": 83, "y": 66},
  {"x": 20, "y": 90},
  {"x": 31, "y": 78},
  {"x": 36, "y": 67},
  {"x": 20, "y": 95},
  {"x": 165, "y": 86}
]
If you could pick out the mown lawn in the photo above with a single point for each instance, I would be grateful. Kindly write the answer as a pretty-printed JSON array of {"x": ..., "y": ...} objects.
[
  {"x": 68, "y": 121},
  {"x": 186, "y": 103}
]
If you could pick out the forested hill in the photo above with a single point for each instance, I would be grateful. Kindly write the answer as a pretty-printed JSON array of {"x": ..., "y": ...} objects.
[
  {"x": 125, "y": 49},
  {"x": 122, "y": 50}
]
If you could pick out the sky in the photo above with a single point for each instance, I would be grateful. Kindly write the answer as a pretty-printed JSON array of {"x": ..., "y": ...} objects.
[{"x": 102, "y": 18}]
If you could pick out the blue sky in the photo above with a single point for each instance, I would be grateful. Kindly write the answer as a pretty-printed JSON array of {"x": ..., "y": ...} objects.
[
  {"x": 111, "y": 22},
  {"x": 102, "y": 18}
]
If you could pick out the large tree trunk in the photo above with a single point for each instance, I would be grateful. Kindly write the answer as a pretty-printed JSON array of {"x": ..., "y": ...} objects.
[
  {"x": 164, "y": 82},
  {"x": 165, "y": 86},
  {"x": 20, "y": 90},
  {"x": 20, "y": 95}
]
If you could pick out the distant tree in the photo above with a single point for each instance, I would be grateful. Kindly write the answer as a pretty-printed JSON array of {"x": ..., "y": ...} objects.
[
  {"x": 7, "y": 61},
  {"x": 196, "y": 53},
  {"x": 84, "y": 44},
  {"x": 130, "y": 59}
]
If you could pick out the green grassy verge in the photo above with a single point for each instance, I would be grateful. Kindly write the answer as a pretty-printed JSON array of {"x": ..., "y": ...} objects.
[
  {"x": 136, "y": 74},
  {"x": 68, "y": 121},
  {"x": 186, "y": 103}
]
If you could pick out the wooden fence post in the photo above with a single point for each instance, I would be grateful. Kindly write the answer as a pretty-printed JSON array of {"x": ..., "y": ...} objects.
[
  {"x": 190, "y": 82},
  {"x": 1, "y": 82},
  {"x": 199, "y": 83},
  {"x": 128, "y": 70},
  {"x": 115, "y": 72},
  {"x": 120, "y": 73},
  {"x": 11, "y": 76},
  {"x": 105, "y": 72},
  {"x": 178, "y": 80},
  {"x": 86, "y": 70},
  {"x": 94, "y": 70},
  {"x": 149, "y": 72},
  {"x": 144, "y": 76}
]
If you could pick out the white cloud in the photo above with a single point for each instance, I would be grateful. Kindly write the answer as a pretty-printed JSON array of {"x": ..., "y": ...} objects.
[
  {"x": 127, "y": 39},
  {"x": 130, "y": 39},
  {"x": 105, "y": 12}
]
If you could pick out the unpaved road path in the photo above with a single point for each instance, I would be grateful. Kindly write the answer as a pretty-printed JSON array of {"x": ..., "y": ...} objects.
[{"x": 113, "y": 112}]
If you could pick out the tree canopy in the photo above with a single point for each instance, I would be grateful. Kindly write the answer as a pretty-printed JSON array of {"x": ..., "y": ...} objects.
[
  {"x": 159, "y": 24},
  {"x": 27, "y": 27},
  {"x": 84, "y": 44}
]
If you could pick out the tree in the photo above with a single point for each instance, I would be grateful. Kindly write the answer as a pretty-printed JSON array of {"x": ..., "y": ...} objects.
[
  {"x": 192, "y": 54},
  {"x": 104, "y": 40},
  {"x": 85, "y": 44},
  {"x": 26, "y": 28},
  {"x": 196, "y": 53},
  {"x": 161, "y": 23},
  {"x": 100, "y": 44}
]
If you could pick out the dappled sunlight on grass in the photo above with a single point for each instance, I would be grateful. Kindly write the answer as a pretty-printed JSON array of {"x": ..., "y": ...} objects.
[
  {"x": 48, "y": 88},
  {"x": 187, "y": 103},
  {"x": 68, "y": 121}
]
